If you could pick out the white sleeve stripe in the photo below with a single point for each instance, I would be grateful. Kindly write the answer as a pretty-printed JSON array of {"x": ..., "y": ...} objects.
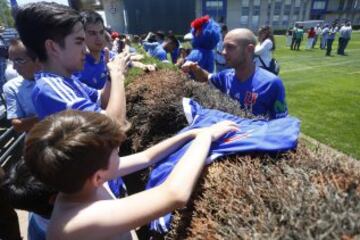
[
  {"x": 56, "y": 90},
  {"x": 187, "y": 110},
  {"x": 66, "y": 89},
  {"x": 163, "y": 224},
  {"x": 80, "y": 87}
]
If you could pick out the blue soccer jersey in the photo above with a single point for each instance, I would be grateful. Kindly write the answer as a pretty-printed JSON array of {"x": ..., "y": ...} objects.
[
  {"x": 53, "y": 93},
  {"x": 262, "y": 94},
  {"x": 94, "y": 73},
  {"x": 159, "y": 53},
  {"x": 254, "y": 135}
]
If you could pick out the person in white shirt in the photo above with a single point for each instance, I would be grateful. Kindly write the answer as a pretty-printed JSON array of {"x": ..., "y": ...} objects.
[
  {"x": 265, "y": 47},
  {"x": 345, "y": 36}
]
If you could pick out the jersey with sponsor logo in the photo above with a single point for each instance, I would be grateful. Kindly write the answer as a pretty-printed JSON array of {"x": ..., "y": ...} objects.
[
  {"x": 254, "y": 135},
  {"x": 262, "y": 94},
  {"x": 53, "y": 93}
]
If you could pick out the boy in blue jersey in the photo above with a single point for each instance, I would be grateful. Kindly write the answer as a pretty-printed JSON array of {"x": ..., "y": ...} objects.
[
  {"x": 95, "y": 71},
  {"x": 60, "y": 46},
  {"x": 257, "y": 90}
]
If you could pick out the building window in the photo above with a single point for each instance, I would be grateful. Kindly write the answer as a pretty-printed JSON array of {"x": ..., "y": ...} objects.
[
  {"x": 214, "y": 4},
  {"x": 287, "y": 9},
  {"x": 341, "y": 5},
  {"x": 256, "y": 3},
  {"x": 349, "y": 4},
  {"x": 296, "y": 10},
  {"x": 297, "y": 3},
  {"x": 256, "y": 10},
  {"x": 255, "y": 21},
  {"x": 245, "y": 11},
  {"x": 319, "y": 5},
  {"x": 277, "y": 10},
  {"x": 269, "y": 9},
  {"x": 285, "y": 20},
  {"x": 304, "y": 12},
  {"x": 245, "y": 3},
  {"x": 244, "y": 20}
]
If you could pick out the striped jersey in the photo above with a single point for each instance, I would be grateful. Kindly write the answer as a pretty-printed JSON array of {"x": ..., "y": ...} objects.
[{"x": 53, "y": 93}]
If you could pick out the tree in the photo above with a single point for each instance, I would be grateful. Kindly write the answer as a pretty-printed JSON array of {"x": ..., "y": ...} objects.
[{"x": 6, "y": 18}]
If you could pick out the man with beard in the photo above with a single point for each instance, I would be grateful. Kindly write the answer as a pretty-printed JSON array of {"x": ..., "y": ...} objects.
[{"x": 257, "y": 90}]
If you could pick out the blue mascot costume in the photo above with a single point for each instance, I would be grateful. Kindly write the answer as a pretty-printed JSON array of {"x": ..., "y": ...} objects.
[{"x": 206, "y": 34}]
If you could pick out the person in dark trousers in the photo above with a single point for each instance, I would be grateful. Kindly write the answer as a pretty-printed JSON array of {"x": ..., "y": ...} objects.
[
  {"x": 345, "y": 36},
  {"x": 330, "y": 40},
  {"x": 293, "y": 40}
]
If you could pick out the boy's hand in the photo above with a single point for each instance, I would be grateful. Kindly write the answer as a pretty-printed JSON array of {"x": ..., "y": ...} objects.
[
  {"x": 220, "y": 129},
  {"x": 120, "y": 64}
]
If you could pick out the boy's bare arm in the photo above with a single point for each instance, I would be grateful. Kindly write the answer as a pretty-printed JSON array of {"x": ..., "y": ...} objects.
[
  {"x": 150, "y": 156},
  {"x": 109, "y": 218},
  {"x": 113, "y": 96}
]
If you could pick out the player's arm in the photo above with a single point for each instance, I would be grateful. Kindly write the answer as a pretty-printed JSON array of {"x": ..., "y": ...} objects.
[{"x": 199, "y": 74}]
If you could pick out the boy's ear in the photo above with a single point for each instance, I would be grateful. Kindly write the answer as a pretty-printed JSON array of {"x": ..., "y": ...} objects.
[
  {"x": 52, "y": 48},
  {"x": 97, "y": 179}
]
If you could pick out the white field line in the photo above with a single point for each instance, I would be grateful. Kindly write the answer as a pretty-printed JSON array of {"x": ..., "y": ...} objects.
[
  {"x": 357, "y": 72},
  {"x": 310, "y": 57},
  {"x": 317, "y": 66}
]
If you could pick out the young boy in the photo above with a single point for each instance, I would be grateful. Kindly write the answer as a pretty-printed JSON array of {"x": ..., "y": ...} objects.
[
  {"x": 60, "y": 46},
  {"x": 77, "y": 152},
  {"x": 95, "y": 72},
  {"x": 17, "y": 91}
]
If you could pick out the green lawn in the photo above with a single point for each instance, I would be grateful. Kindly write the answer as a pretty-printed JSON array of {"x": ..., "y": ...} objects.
[{"x": 324, "y": 92}]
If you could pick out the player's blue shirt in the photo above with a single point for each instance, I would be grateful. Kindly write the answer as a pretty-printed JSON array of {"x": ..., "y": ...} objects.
[
  {"x": 262, "y": 94},
  {"x": 53, "y": 93},
  {"x": 205, "y": 58},
  {"x": 94, "y": 73},
  {"x": 159, "y": 53}
]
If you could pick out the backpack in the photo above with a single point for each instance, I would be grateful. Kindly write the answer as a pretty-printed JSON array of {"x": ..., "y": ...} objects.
[{"x": 273, "y": 67}]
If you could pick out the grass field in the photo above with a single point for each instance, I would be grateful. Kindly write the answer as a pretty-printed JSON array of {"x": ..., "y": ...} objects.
[{"x": 324, "y": 92}]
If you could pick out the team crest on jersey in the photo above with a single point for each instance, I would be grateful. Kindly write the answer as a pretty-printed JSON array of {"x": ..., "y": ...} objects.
[{"x": 250, "y": 98}]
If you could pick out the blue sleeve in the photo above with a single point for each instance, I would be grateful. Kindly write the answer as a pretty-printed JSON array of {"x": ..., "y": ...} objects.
[
  {"x": 47, "y": 101},
  {"x": 150, "y": 46},
  {"x": 12, "y": 104},
  {"x": 91, "y": 92},
  {"x": 279, "y": 107},
  {"x": 218, "y": 81},
  {"x": 161, "y": 55}
]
